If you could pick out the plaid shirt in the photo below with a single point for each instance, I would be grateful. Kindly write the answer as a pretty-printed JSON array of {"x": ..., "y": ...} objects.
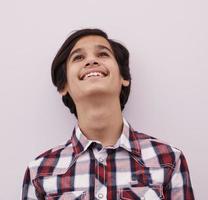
[{"x": 138, "y": 166}]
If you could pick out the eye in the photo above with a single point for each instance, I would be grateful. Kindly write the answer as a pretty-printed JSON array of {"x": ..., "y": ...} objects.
[
  {"x": 78, "y": 58},
  {"x": 103, "y": 54}
]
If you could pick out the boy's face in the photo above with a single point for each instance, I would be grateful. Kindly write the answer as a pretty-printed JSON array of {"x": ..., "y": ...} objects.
[{"x": 92, "y": 53}]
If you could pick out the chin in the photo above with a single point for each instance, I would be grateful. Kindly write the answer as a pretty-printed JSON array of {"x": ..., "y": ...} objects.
[{"x": 96, "y": 91}]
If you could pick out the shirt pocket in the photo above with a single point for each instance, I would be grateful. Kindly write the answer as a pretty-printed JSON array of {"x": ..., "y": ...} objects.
[
  {"x": 141, "y": 193},
  {"x": 72, "y": 195}
]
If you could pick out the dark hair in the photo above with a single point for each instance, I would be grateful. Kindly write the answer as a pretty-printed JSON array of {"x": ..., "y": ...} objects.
[{"x": 59, "y": 69}]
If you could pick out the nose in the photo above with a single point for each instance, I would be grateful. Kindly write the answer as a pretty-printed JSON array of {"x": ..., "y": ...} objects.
[{"x": 91, "y": 63}]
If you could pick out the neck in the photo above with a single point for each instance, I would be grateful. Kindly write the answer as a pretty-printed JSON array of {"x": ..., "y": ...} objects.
[{"x": 101, "y": 121}]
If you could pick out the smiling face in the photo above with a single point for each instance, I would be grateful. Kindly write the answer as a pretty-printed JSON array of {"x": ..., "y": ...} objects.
[{"x": 92, "y": 69}]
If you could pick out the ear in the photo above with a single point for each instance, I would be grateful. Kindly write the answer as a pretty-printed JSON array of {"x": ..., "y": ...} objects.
[
  {"x": 125, "y": 83},
  {"x": 64, "y": 91}
]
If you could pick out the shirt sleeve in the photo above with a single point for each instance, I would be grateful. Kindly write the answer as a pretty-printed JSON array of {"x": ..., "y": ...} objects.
[
  {"x": 179, "y": 186},
  {"x": 28, "y": 189}
]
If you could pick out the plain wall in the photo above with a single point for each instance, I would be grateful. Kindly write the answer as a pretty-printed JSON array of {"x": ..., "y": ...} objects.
[{"x": 168, "y": 47}]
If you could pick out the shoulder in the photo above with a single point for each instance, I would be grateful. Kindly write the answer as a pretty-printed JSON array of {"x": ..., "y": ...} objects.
[
  {"x": 49, "y": 161},
  {"x": 156, "y": 152}
]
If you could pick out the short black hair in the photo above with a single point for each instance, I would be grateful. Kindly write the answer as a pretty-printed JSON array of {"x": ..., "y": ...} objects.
[{"x": 59, "y": 65}]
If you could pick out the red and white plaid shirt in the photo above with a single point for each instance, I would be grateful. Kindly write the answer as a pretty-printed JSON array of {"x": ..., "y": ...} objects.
[{"x": 138, "y": 166}]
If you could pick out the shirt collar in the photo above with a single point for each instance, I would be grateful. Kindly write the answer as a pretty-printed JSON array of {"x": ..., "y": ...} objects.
[{"x": 128, "y": 140}]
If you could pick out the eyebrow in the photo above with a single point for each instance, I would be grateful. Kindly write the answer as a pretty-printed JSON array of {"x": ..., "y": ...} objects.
[
  {"x": 99, "y": 46},
  {"x": 96, "y": 46},
  {"x": 75, "y": 51}
]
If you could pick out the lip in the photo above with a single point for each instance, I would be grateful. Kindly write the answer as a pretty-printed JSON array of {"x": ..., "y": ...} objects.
[{"x": 101, "y": 70}]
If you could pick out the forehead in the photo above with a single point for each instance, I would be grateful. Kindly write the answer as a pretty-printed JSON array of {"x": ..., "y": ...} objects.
[{"x": 91, "y": 41}]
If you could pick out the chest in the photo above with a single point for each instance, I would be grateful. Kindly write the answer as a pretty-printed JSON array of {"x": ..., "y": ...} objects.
[{"x": 105, "y": 175}]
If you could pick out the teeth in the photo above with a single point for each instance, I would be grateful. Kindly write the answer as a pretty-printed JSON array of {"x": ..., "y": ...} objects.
[{"x": 93, "y": 74}]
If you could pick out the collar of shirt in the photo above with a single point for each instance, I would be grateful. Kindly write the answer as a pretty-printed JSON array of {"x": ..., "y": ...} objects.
[{"x": 128, "y": 140}]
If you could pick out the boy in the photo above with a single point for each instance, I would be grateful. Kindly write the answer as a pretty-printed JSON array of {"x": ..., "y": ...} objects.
[{"x": 105, "y": 157}]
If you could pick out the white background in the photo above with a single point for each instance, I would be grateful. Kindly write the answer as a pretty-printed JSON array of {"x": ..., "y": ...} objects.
[{"x": 168, "y": 47}]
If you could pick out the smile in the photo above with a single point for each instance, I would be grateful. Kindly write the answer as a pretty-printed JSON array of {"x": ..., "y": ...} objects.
[{"x": 94, "y": 74}]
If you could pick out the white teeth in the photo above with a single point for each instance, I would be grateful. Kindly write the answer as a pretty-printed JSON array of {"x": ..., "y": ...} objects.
[{"x": 93, "y": 74}]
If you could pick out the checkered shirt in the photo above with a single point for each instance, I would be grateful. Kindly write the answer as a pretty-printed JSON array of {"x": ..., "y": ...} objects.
[{"x": 138, "y": 166}]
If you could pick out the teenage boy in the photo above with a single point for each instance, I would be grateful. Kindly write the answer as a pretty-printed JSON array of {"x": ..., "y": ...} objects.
[{"x": 105, "y": 157}]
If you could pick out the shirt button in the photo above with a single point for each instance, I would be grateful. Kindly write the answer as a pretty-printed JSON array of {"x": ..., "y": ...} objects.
[
  {"x": 101, "y": 159},
  {"x": 100, "y": 195}
]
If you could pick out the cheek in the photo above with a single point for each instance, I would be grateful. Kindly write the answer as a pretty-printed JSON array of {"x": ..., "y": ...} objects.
[
  {"x": 113, "y": 65},
  {"x": 71, "y": 78},
  {"x": 71, "y": 73},
  {"x": 116, "y": 67},
  {"x": 116, "y": 70}
]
